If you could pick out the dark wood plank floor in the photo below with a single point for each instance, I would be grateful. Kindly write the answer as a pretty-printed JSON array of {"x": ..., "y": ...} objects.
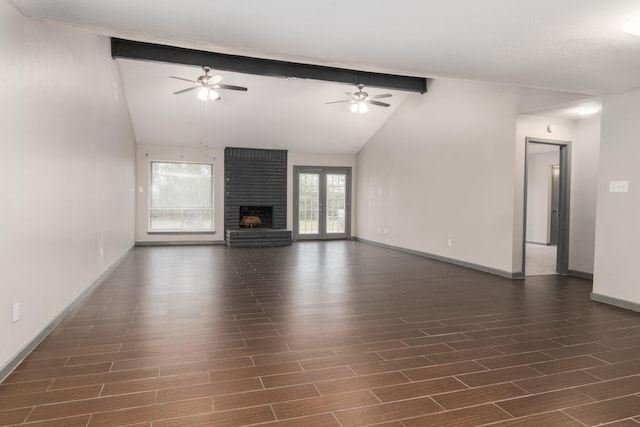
[{"x": 328, "y": 334}]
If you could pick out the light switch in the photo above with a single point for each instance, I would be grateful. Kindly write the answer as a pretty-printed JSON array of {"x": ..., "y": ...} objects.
[{"x": 618, "y": 186}]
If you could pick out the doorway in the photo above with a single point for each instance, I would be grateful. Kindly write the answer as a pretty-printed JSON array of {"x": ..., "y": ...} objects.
[
  {"x": 322, "y": 202},
  {"x": 546, "y": 207}
]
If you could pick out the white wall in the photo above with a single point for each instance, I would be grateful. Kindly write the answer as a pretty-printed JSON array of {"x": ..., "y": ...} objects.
[
  {"x": 584, "y": 188},
  {"x": 67, "y": 179},
  {"x": 296, "y": 158},
  {"x": 145, "y": 154},
  {"x": 539, "y": 195},
  {"x": 442, "y": 168},
  {"x": 617, "y": 221}
]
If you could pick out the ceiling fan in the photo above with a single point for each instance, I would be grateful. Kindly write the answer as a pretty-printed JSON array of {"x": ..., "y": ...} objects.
[
  {"x": 208, "y": 85},
  {"x": 360, "y": 99}
]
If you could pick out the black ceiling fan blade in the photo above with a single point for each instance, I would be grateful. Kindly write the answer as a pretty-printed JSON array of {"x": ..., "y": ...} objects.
[
  {"x": 337, "y": 102},
  {"x": 378, "y": 103},
  {"x": 186, "y": 90},
  {"x": 383, "y": 95},
  {"x": 182, "y": 78},
  {"x": 230, "y": 87}
]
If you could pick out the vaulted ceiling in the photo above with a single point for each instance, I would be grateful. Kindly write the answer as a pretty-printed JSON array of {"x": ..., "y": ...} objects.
[{"x": 566, "y": 45}]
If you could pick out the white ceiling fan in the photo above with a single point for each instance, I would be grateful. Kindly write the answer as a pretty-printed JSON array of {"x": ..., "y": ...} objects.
[
  {"x": 208, "y": 85},
  {"x": 361, "y": 99}
]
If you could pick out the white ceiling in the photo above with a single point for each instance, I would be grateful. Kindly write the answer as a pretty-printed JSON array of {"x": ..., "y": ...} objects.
[
  {"x": 275, "y": 113},
  {"x": 566, "y": 45}
]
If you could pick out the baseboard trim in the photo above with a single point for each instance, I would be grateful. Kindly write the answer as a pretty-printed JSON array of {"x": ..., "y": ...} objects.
[
  {"x": 183, "y": 243},
  {"x": 31, "y": 345},
  {"x": 627, "y": 305},
  {"x": 538, "y": 243},
  {"x": 478, "y": 267},
  {"x": 580, "y": 274}
]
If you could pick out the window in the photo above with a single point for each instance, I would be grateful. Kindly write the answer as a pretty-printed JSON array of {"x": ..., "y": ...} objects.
[{"x": 181, "y": 197}]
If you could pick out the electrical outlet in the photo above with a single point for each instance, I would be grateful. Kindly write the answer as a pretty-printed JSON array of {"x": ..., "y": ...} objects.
[
  {"x": 101, "y": 253},
  {"x": 16, "y": 312},
  {"x": 450, "y": 242},
  {"x": 618, "y": 186}
]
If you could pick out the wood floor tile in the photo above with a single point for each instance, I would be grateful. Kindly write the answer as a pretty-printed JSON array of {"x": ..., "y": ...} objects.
[
  {"x": 390, "y": 365},
  {"x": 443, "y": 370},
  {"x": 151, "y": 413},
  {"x": 327, "y": 403},
  {"x": 614, "y": 388},
  {"x": 290, "y": 356},
  {"x": 565, "y": 365},
  {"x": 13, "y": 416},
  {"x": 234, "y": 418},
  {"x": 576, "y": 350},
  {"x": 615, "y": 370},
  {"x": 307, "y": 377},
  {"x": 88, "y": 406},
  {"x": 417, "y": 389},
  {"x": 341, "y": 360},
  {"x": 497, "y": 376},
  {"x": 262, "y": 397},
  {"x": 48, "y": 397},
  {"x": 80, "y": 421},
  {"x": 208, "y": 389},
  {"x": 380, "y": 413},
  {"x": 37, "y": 374},
  {"x": 254, "y": 371},
  {"x": 514, "y": 360},
  {"x": 624, "y": 423},
  {"x": 606, "y": 411},
  {"x": 544, "y": 402},
  {"x": 462, "y": 355},
  {"x": 478, "y": 395},
  {"x": 103, "y": 378},
  {"x": 327, "y": 334},
  {"x": 322, "y": 420},
  {"x": 556, "y": 381},
  {"x": 361, "y": 382},
  {"x": 555, "y": 419},
  {"x": 155, "y": 383},
  {"x": 478, "y": 415},
  {"x": 25, "y": 387}
]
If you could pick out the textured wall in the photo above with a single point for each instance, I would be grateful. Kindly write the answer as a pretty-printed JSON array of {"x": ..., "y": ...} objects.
[{"x": 255, "y": 178}]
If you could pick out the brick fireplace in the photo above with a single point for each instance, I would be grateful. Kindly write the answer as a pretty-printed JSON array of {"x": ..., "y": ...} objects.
[{"x": 256, "y": 189}]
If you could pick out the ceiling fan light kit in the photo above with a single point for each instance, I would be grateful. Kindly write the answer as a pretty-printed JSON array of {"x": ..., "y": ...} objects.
[
  {"x": 361, "y": 100},
  {"x": 208, "y": 85},
  {"x": 205, "y": 94},
  {"x": 359, "y": 107}
]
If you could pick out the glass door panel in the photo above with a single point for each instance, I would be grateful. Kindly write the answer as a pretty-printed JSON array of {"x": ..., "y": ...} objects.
[
  {"x": 336, "y": 203},
  {"x": 309, "y": 203}
]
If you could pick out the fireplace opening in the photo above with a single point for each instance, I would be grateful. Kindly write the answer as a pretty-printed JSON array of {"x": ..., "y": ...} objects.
[{"x": 256, "y": 216}]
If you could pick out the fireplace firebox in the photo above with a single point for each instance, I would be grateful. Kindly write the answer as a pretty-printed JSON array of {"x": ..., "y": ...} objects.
[{"x": 256, "y": 216}]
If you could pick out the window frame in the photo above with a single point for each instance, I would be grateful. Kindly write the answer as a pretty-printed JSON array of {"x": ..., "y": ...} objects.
[{"x": 175, "y": 230}]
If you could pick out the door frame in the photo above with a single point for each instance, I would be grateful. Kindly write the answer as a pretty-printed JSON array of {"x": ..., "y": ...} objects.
[
  {"x": 323, "y": 171},
  {"x": 562, "y": 253}
]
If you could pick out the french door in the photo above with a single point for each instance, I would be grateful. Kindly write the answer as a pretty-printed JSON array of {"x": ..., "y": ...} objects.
[{"x": 322, "y": 202}]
